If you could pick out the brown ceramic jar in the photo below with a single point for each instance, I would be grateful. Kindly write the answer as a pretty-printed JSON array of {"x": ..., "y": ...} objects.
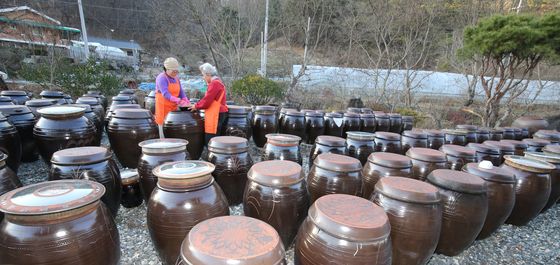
[
  {"x": 99, "y": 95},
  {"x": 496, "y": 134},
  {"x": 186, "y": 195},
  {"x": 554, "y": 176},
  {"x": 127, "y": 128},
  {"x": 551, "y": 135},
  {"x": 91, "y": 116},
  {"x": 415, "y": 214},
  {"x": 154, "y": 153},
  {"x": 407, "y": 123},
  {"x": 482, "y": 134},
  {"x": 62, "y": 127},
  {"x": 470, "y": 130},
  {"x": 111, "y": 111},
  {"x": 230, "y": 156},
  {"x": 8, "y": 178},
  {"x": 263, "y": 123},
  {"x": 508, "y": 133},
  {"x": 332, "y": 173},
  {"x": 281, "y": 116},
  {"x": 282, "y": 147},
  {"x": 351, "y": 122},
  {"x": 90, "y": 163},
  {"x": 333, "y": 124},
  {"x": 150, "y": 102},
  {"x": 388, "y": 142},
  {"x": 411, "y": 139},
  {"x": 294, "y": 123},
  {"x": 276, "y": 194},
  {"x": 532, "y": 189},
  {"x": 245, "y": 241},
  {"x": 486, "y": 152},
  {"x": 36, "y": 104},
  {"x": 314, "y": 126},
  {"x": 395, "y": 120},
  {"x": 532, "y": 123},
  {"x": 436, "y": 139},
  {"x": 520, "y": 146},
  {"x": 23, "y": 120},
  {"x": 505, "y": 148},
  {"x": 327, "y": 144},
  {"x": 360, "y": 145},
  {"x": 55, "y": 95},
  {"x": 10, "y": 143},
  {"x": 18, "y": 97},
  {"x": 367, "y": 122},
  {"x": 188, "y": 126},
  {"x": 238, "y": 122},
  {"x": 517, "y": 134},
  {"x": 382, "y": 165},
  {"x": 456, "y": 137},
  {"x": 535, "y": 145},
  {"x": 464, "y": 204},
  {"x": 425, "y": 160},
  {"x": 458, "y": 156},
  {"x": 119, "y": 100},
  {"x": 344, "y": 229},
  {"x": 131, "y": 194},
  {"x": 6, "y": 101},
  {"x": 55, "y": 222}
]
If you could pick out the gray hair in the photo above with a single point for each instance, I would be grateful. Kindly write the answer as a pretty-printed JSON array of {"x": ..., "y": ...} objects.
[{"x": 208, "y": 69}]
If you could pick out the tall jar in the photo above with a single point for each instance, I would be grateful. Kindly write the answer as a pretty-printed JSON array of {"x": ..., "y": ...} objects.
[
  {"x": 186, "y": 195},
  {"x": 496, "y": 134},
  {"x": 383, "y": 122},
  {"x": 112, "y": 110},
  {"x": 94, "y": 103},
  {"x": 327, "y": 144},
  {"x": 91, "y": 116},
  {"x": 199, "y": 246},
  {"x": 23, "y": 119},
  {"x": 8, "y": 178},
  {"x": 337, "y": 226},
  {"x": 127, "y": 128},
  {"x": 56, "y": 222},
  {"x": 535, "y": 145},
  {"x": 456, "y": 137},
  {"x": 230, "y": 156},
  {"x": 388, "y": 142},
  {"x": 263, "y": 123},
  {"x": 396, "y": 122},
  {"x": 382, "y": 165},
  {"x": 90, "y": 163},
  {"x": 458, "y": 156},
  {"x": 36, "y": 104},
  {"x": 131, "y": 194},
  {"x": 332, "y": 173},
  {"x": 333, "y": 124},
  {"x": 63, "y": 127},
  {"x": 407, "y": 123},
  {"x": 314, "y": 126},
  {"x": 188, "y": 126},
  {"x": 10, "y": 143},
  {"x": 154, "y": 153},
  {"x": 517, "y": 134},
  {"x": 150, "y": 102},
  {"x": 520, "y": 146},
  {"x": 350, "y": 122},
  {"x": 282, "y": 147},
  {"x": 505, "y": 148},
  {"x": 55, "y": 95},
  {"x": 367, "y": 122},
  {"x": 464, "y": 204},
  {"x": 436, "y": 139},
  {"x": 501, "y": 194},
  {"x": 425, "y": 160},
  {"x": 554, "y": 176},
  {"x": 19, "y": 97},
  {"x": 294, "y": 123},
  {"x": 360, "y": 145},
  {"x": 238, "y": 122},
  {"x": 281, "y": 116},
  {"x": 411, "y": 139},
  {"x": 275, "y": 190},
  {"x": 482, "y": 134},
  {"x": 415, "y": 212},
  {"x": 486, "y": 152},
  {"x": 532, "y": 189},
  {"x": 470, "y": 131}
]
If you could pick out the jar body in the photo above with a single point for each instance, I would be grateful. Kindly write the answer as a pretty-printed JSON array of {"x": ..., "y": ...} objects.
[
  {"x": 238, "y": 125},
  {"x": 10, "y": 144},
  {"x": 360, "y": 149},
  {"x": 456, "y": 139},
  {"x": 126, "y": 134},
  {"x": 383, "y": 124},
  {"x": 481, "y": 137},
  {"x": 494, "y": 158},
  {"x": 373, "y": 172},
  {"x": 457, "y": 162},
  {"x": 321, "y": 182},
  {"x": 131, "y": 195},
  {"x": 367, "y": 124},
  {"x": 314, "y": 126},
  {"x": 554, "y": 188},
  {"x": 389, "y": 146},
  {"x": 496, "y": 136},
  {"x": 29, "y": 152},
  {"x": 150, "y": 104},
  {"x": 231, "y": 173},
  {"x": 501, "y": 198},
  {"x": 278, "y": 152},
  {"x": 350, "y": 124},
  {"x": 409, "y": 142},
  {"x": 435, "y": 142},
  {"x": 147, "y": 163},
  {"x": 263, "y": 124},
  {"x": 294, "y": 125},
  {"x": 188, "y": 126},
  {"x": 421, "y": 169},
  {"x": 318, "y": 149},
  {"x": 395, "y": 124},
  {"x": 334, "y": 127},
  {"x": 8, "y": 181}
]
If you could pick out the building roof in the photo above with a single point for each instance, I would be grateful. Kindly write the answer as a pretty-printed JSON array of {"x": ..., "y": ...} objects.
[
  {"x": 20, "y": 8},
  {"x": 39, "y": 24},
  {"x": 122, "y": 44}
]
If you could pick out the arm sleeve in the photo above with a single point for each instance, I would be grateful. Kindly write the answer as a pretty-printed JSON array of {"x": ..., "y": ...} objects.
[
  {"x": 161, "y": 85},
  {"x": 181, "y": 91},
  {"x": 210, "y": 95}
]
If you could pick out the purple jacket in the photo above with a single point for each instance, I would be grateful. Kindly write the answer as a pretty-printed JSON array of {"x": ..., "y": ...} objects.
[{"x": 161, "y": 85}]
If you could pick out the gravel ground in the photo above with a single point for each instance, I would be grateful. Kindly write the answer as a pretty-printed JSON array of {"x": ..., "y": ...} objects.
[{"x": 536, "y": 243}]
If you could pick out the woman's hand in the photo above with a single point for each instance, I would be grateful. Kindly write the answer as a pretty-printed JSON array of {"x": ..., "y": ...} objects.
[{"x": 192, "y": 107}]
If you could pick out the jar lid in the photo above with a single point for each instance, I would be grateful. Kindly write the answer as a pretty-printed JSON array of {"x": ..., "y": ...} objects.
[
  {"x": 121, "y": 98},
  {"x": 408, "y": 190},
  {"x": 328, "y": 140},
  {"x": 124, "y": 106},
  {"x": 502, "y": 146},
  {"x": 482, "y": 130},
  {"x": 229, "y": 144},
  {"x": 550, "y": 158},
  {"x": 528, "y": 164},
  {"x": 52, "y": 94},
  {"x": 434, "y": 133},
  {"x": 483, "y": 148},
  {"x": 381, "y": 115},
  {"x": 333, "y": 115},
  {"x": 96, "y": 92},
  {"x": 61, "y": 112},
  {"x": 10, "y": 110},
  {"x": 395, "y": 115},
  {"x": 182, "y": 175},
  {"x": 40, "y": 102},
  {"x": 127, "y": 113},
  {"x": 81, "y": 155},
  {"x": 551, "y": 135},
  {"x": 238, "y": 109},
  {"x": 467, "y": 127},
  {"x": 350, "y": 217},
  {"x": 536, "y": 142},
  {"x": 127, "y": 91},
  {"x": 457, "y": 181},
  {"x": 457, "y": 150},
  {"x": 415, "y": 134},
  {"x": 552, "y": 149},
  {"x": 313, "y": 114},
  {"x": 284, "y": 110},
  {"x": 426, "y": 154},
  {"x": 163, "y": 146},
  {"x": 390, "y": 160},
  {"x": 357, "y": 135},
  {"x": 295, "y": 113},
  {"x": 7, "y": 99},
  {"x": 338, "y": 163},
  {"x": 455, "y": 132},
  {"x": 388, "y": 136},
  {"x": 51, "y": 197},
  {"x": 367, "y": 115},
  {"x": 516, "y": 143},
  {"x": 86, "y": 107},
  {"x": 351, "y": 115},
  {"x": 276, "y": 173},
  {"x": 129, "y": 176},
  {"x": 230, "y": 240},
  {"x": 13, "y": 93},
  {"x": 88, "y": 100},
  {"x": 353, "y": 110},
  {"x": 282, "y": 139},
  {"x": 487, "y": 171},
  {"x": 265, "y": 108}
]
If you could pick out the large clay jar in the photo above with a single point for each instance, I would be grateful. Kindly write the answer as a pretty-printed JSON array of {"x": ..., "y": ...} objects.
[
  {"x": 535, "y": 145},
  {"x": 92, "y": 116},
  {"x": 230, "y": 156},
  {"x": 411, "y": 139},
  {"x": 62, "y": 127},
  {"x": 282, "y": 147},
  {"x": 99, "y": 95},
  {"x": 94, "y": 103},
  {"x": 327, "y": 144},
  {"x": 238, "y": 122},
  {"x": 554, "y": 176},
  {"x": 508, "y": 133},
  {"x": 333, "y": 124},
  {"x": 486, "y": 152},
  {"x": 344, "y": 229},
  {"x": 500, "y": 191},
  {"x": 10, "y": 143},
  {"x": 90, "y": 163},
  {"x": 351, "y": 122},
  {"x": 122, "y": 99},
  {"x": 6, "y": 101},
  {"x": 186, "y": 125},
  {"x": 56, "y": 222},
  {"x": 396, "y": 122},
  {"x": 17, "y": 96},
  {"x": 360, "y": 145},
  {"x": 415, "y": 214},
  {"x": 150, "y": 102},
  {"x": 127, "y": 128},
  {"x": 458, "y": 156},
  {"x": 382, "y": 121},
  {"x": 482, "y": 134},
  {"x": 517, "y": 134},
  {"x": 276, "y": 189},
  {"x": 407, "y": 123},
  {"x": 425, "y": 160},
  {"x": 436, "y": 139},
  {"x": 131, "y": 194},
  {"x": 382, "y": 165},
  {"x": 294, "y": 123},
  {"x": 465, "y": 205},
  {"x": 470, "y": 131},
  {"x": 36, "y": 104},
  {"x": 130, "y": 93},
  {"x": 532, "y": 189},
  {"x": 314, "y": 126},
  {"x": 520, "y": 146},
  {"x": 388, "y": 142},
  {"x": 367, "y": 122},
  {"x": 456, "y": 137},
  {"x": 245, "y": 241},
  {"x": 496, "y": 134},
  {"x": 23, "y": 119},
  {"x": 550, "y": 135},
  {"x": 264, "y": 122},
  {"x": 281, "y": 116},
  {"x": 154, "y": 153},
  {"x": 54, "y": 95},
  {"x": 8, "y": 178},
  {"x": 112, "y": 110},
  {"x": 533, "y": 123},
  {"x": 505, "y": 148},
  {"x": 332, "y": 173},
  {"x": 186, "y": 195}
]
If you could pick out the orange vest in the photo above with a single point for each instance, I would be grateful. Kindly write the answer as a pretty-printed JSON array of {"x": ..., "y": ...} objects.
[{"x": 164, "y": 106}]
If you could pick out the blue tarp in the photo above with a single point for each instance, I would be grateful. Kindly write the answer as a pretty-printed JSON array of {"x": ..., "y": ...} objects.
[{"x": 189, "y": 84}]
